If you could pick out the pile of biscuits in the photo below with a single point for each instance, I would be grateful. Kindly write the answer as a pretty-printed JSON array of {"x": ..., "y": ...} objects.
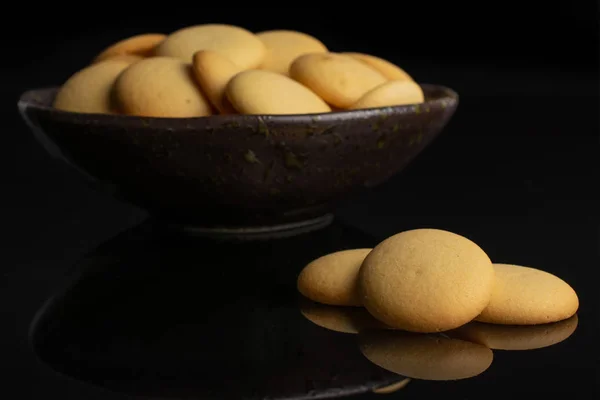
[
  {"x": 430, "y": 280},
  {"x": 430, "y": 304},
  {"x": 213, "y": 69}
]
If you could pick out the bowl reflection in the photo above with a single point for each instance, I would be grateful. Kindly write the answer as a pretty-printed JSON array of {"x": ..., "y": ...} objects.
[{"x": 149, "y": 314}]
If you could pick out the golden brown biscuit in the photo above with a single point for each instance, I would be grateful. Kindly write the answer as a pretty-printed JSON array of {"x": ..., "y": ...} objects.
[
  {"x": 139, "y": 45},
  {"x": 213, "y": 72},
  {"x": 512, "y": 337},
  {"x": 237, "y": 44},
  {"x": 392, "y": 93},
  {"x": 161, "y": 87},
  {"x": 386, "y": 68},
  {"x": 394, "y": 387},
  {"x": 428, "y": 357},
  {"x": 90, "y": 89},
  {"x": 266, "y": 92},
  {"x": 338, "y": 79},
  {"x": 339, "y": 319},
  {"x": 284, "y": 46},
  {"x": 426, "y": 280},
  {"x": 528, "y": 296},
  {"x": 333, "y": 278}
]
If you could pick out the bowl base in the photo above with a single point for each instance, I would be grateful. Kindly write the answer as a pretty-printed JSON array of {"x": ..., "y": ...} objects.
[{"x": 257, "y": 232}]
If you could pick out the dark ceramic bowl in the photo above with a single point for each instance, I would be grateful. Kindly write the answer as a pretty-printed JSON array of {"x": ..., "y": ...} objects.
[{"x": 240, "y": 173}]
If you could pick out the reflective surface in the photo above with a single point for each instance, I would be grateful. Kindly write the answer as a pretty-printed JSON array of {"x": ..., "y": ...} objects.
[
  {"x": 175, "y": 317},
  {"x": 164, "y": 316}
]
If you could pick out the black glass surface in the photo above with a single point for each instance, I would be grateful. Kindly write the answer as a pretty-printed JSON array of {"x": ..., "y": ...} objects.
[
  {"x": 170, "y": 316},
  {"x": 160, "y": 315}
]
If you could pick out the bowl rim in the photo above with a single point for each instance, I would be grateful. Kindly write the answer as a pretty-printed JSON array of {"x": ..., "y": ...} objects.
[{"x": 444, "y": 97}]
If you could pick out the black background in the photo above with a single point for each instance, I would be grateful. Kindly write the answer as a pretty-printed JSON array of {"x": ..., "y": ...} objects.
[{"x": 519, "y": 161}]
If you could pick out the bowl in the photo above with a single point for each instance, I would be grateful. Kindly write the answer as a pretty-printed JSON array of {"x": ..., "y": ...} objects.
[{"x": 240, "y": 174}]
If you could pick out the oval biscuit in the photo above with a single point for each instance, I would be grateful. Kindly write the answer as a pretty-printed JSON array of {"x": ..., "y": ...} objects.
[
  {"x": 528, "y": 296},
  {"x": 160, "y": 87},
  {"x": 426, "y": 280},
  {"x": 237, "y": 44},
  {"x": 332, "y": 278},
  {"x": 427, "y": 357},
  {"x": 213, "y": 72},
  {"x": 90, "y": 89},
  {"x": 266, "y": 92},
  {"x": 284, "y": 46},
  {"x": 338, "y": 79},
  {"x": 392, "y": 93},
  {"x": 139, "y": 45},
  {"x": 386, "y": 68}
]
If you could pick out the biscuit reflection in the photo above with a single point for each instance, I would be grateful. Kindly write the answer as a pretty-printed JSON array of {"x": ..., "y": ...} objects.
[
  {"x": 427, "y": 357},
  {"x": 394, "y": 387},
  {"x": 507, "y": 337},
  {"x": 338, "y": 319}
]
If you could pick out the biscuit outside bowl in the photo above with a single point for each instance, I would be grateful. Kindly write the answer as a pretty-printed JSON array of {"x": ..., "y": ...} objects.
[{"x": 240, "y": 176}]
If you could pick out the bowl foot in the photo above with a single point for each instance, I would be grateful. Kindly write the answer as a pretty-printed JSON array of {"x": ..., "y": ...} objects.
[{"x": 257, "y": 232}]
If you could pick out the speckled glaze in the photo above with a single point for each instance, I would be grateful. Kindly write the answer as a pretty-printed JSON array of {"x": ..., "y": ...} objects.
[{"x": 239, "y": 170}]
